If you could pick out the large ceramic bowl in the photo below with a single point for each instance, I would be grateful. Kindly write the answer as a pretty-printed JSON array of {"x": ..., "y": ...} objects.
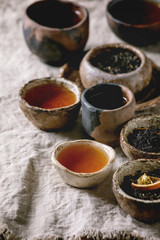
[
  {"x": 130, "y": 65},
  {"x": 137, "y": 22},
  {"x": 143, "y": 210},
  {"x": 80, "y": 149},
  {"x": 55, "y": 30},
  {"x": 144, "y": 121},
  {"x": 106, "y": 108},
  {"x": 36, "y": 99}
]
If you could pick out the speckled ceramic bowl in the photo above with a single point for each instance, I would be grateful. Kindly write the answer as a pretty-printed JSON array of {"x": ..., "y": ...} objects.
[
  {"x": 50, "y": 119},
  {"x": 102, "y": 124},
  {"x": 137, "y": 122},
  {"x": 143, "y": 210},
  {"x": 135, "y": 80},
  {"x": 83, "y": 180},
  {"x": 55, "y": 30}
]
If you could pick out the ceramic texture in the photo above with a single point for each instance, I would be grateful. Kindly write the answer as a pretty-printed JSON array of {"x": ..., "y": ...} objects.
[
  {"x": 139, "y": 35},
  {"x": 135, "y": 80},
  {"x": 143, "y": 210},
  {"x": 140, "y": 121},
  {"x": 83, "y": 180},
  {"x": 50, "y": 119},
  {"x": 104, "y": 125},
  {"x": 55, "y": 45}
]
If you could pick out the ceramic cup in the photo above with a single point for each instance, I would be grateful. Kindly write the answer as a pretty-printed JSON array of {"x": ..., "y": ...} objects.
[{"x": 106, "y": 108}]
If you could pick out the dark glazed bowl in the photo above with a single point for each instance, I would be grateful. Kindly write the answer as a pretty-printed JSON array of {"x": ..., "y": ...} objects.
[
  {"x": 55, "y": 30},
  {"x": 135, "y": 21},
  {"x": 136, "y": 80},
  {"x": 54, "y": 118},
  {"x": 143, "y": 210},
  {"x": 141, "y": 121},
  {"x": 100, "y": 123}
]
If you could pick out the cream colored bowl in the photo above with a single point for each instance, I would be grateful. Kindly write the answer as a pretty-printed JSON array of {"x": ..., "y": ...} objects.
[{"x": 83, "y": 180}]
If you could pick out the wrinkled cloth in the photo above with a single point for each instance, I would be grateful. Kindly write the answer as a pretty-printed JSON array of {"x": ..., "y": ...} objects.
[{"x": 34, "y": 201}]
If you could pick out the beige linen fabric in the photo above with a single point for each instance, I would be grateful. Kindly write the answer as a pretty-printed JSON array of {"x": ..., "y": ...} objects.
[{"x": 34, "y": 202}]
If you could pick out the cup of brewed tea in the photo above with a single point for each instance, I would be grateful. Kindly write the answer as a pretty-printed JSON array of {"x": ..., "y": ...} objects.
[{"x": 106, "y": 107}]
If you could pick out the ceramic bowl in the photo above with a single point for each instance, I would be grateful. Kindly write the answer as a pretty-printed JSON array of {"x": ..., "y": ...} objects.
[
  {"x": 100, "y": 123},
  {"x": 136, "y": 22},
  {"x": 138, "y": 122},
  {"x": 135, "y": 80},
  {"x": 62, "y": 33},
  {"x": 49, "y": 118},
  {"x": 83, "y": 180},
  {"x": 143, "y": 210}
]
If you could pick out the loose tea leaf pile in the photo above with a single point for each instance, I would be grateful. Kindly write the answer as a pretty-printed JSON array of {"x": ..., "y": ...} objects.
[
  {"x": 116, "y": 61},
  {"x": 145, "y": 139}
]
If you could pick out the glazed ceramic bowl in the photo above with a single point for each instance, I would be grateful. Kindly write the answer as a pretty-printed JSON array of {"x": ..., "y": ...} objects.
[
  {"x": 106, "y": 108},
  {"x": 46, "y": 117},
  {"x": 110, "y": 55},
  {"x": 145, "y": 121},
  {"x": 137, "y": 22},
  {"x": 82, "y": 179},
  {"x": 143, "y": 210},
  {"x": 62, "y": 33}
]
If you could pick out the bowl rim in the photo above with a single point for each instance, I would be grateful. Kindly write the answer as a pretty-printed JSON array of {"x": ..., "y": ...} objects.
[
  {"x": 50, "y": 79},
  {"x": 83, "y": 9},
  {"x": 109, "y": 151},
  {"x": 134, "y": 49},
  {"x": 124, "y": 88},
  {"x": 138, "y": 26},
  {"x": 123, "y": 137},
  {"x": 117, "y": 187}
]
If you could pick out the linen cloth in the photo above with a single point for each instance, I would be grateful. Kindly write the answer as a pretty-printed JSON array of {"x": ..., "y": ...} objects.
[{"x": 34, "y": 202}]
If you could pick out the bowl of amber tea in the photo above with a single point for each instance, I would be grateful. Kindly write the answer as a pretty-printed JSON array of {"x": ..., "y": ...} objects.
[
  {"x": 136, "y": 186},
  {"x": 50, "y": 103},
  {"x": 140, "y": 137},
  {"x": 106, "y": 107},
  {"x": 83, "y": 163}
]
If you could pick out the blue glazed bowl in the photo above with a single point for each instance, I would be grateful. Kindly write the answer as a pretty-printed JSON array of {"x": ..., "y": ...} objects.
[{"x": 106, "y": 108}]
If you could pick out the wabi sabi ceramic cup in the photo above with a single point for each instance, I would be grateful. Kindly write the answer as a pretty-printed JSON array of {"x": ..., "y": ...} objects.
[
  {"x": 141, "y": 209},
  {"x": 116, "y": 63},
  {"x": 106, "y": 108},
  {"x": 50, "y": 103},
  {"x": 74, "y": 159},
  {"x": 135, "y": 21},
  {"x": 55, "y": 30}
]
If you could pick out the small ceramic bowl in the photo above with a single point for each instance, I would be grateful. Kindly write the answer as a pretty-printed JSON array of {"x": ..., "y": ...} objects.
[
  {"x": 82, "y": 179},
  {"x": 48, "y": 117},
  {"x": 120, "y": 57},
  {"x": 137, "y": 22},
  {"x": 62, "y": 33},
  {"x": 141, "y": 209},
  {"x": 106, "y": 108},
  {"x": 145, "y": 121}
]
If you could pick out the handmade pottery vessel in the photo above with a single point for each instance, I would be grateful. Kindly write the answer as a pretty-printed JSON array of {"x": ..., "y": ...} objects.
[
  {"x": 83, "y": 179},
  {"x": 137, "y": 22},
  {"x": 104, "y": 112},
  {"x": 143, "y": 210},
  {"x": 136, "y": 80},
  {"x": 144, "y": 121},
  {"x": 62, "y": 33},
  {"x": 45, "y": 118}
]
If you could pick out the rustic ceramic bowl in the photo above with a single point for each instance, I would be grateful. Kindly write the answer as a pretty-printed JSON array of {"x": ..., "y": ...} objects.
[
  {"x": 133, "y": 22},
  {"x": 55, "y": 30},
  {"x": 143, "y": 210},
  {"x": 50, "y": 119},
  {"x": 140, "y": 121},
  {"x": 102, "y": 124},
  {"x": 83, "y": 180},
  {"x": 135, "y": 80}
]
